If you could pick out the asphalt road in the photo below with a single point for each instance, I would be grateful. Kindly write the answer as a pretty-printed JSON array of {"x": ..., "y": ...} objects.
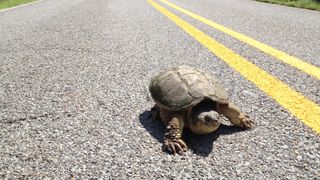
[{"x": 74, "y": 97}]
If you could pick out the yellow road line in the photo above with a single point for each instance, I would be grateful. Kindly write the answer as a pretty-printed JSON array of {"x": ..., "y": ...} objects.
[
  {"x": 304, "y": 109},
  {"x": 284, "y": 57}
]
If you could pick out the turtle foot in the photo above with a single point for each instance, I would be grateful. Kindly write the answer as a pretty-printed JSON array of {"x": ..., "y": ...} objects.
[
  {"x": 245, "y": 121},
  {"x": 176, "y": 146}
]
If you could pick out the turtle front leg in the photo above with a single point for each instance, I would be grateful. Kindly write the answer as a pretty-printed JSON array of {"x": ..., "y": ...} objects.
[
  {"x": 174, "y": 125},
  {"x": 172, "y": 137},
  {"x": 235, "y": 116},
  {"x": 154, "y": 112}
]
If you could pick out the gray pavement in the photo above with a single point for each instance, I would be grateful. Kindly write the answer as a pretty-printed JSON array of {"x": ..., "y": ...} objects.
[{"x": 74, "y": 94}]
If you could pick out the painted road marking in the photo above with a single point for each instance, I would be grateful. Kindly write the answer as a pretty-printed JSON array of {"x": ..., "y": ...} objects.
[
  {"x": 284, "y": 57},
  {"x": 304, "y": 109}
]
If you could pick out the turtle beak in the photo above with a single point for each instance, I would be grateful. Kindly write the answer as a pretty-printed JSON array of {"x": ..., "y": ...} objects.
[
  {"x": 206, "y": 122},
  {"x": 212, "y": 118}
]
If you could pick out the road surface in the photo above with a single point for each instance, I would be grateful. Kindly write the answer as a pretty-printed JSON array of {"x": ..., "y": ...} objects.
[{"x": 74, "y": 100}]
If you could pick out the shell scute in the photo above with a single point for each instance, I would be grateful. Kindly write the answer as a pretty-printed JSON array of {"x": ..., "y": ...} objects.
[{"x": 184, "y": 86}]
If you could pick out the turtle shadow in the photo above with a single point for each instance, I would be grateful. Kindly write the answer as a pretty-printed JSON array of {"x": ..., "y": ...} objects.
[
  {"x": 154, "y": 126},
  {"x": 201, "y": 145}
]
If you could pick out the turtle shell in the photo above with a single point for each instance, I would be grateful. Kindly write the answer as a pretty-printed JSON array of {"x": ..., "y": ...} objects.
[{"x": 183, "y": 87}]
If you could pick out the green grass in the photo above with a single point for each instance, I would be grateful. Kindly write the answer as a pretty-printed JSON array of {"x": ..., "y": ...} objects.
[
  {"x": 307, "y": 4},
  {"x": 10, "y": 3}
]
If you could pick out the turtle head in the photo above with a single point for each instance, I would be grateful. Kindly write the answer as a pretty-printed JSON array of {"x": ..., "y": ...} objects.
[{"x": 204, "y": 119}]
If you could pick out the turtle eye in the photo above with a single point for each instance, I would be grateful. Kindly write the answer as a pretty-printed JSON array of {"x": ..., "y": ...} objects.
[{"x": 207, "y": 119}]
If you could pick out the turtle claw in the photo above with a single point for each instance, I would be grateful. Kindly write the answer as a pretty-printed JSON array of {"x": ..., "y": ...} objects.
[
  {"x": 246, "y": 122},
  {"x": 175, "y": 146}
]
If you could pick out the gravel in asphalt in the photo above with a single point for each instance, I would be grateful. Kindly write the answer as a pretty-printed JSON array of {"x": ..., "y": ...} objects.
[{"x": 74, "y": 98}]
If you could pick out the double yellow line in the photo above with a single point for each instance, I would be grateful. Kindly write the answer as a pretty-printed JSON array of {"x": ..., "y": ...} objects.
[
  {"x": 300, "y": 106},
  {"x": 282, "y": 56}
]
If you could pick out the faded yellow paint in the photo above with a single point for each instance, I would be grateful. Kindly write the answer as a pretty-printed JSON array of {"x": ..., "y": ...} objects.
[
  {"x": 282, "y": 56},
  {"x": 301, "y": 107}
]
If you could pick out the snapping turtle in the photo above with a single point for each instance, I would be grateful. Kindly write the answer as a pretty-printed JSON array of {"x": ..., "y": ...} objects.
[{"x": 187, "y": 97}]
